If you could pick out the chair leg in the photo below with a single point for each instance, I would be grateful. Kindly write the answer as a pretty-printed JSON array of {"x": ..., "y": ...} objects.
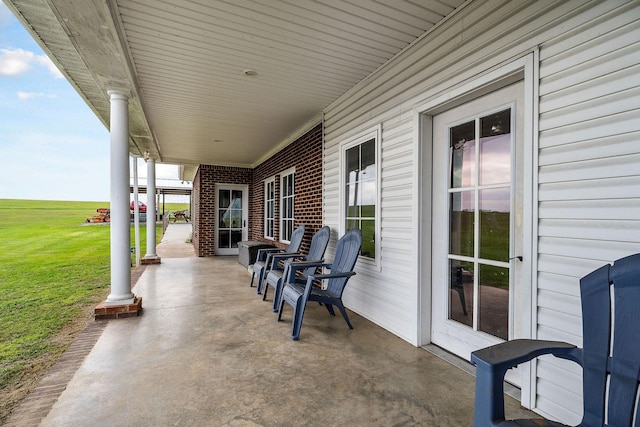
[
  {"x": 260, "y": 280},
  {"x": 264, "y": 293},
  {"x": 280, "y": 309},
  {"x": 344, "y": 314},
  {"x": 489, "y": 403},
  {"x": 298, "y": 315},
  {"x": 329, "y": 309},
  {"x": 252, "y": 276},
  {"x": 463, "y": 301},
  {"x": 277, "y": 296}
]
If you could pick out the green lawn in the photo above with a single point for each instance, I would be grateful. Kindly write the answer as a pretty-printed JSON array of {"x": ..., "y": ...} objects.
[{"x": 54, "y": 269}]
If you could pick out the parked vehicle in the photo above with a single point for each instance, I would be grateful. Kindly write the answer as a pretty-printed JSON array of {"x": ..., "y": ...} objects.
[{"x": 142, "y": 208}]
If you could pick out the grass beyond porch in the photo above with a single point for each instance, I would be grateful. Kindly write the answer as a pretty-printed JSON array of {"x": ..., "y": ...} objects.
[{"x": 54, "y": 269}]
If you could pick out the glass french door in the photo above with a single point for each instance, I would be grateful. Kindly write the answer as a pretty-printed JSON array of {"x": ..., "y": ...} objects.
[
  {"x": 231, "y": 216},
  {"x": 477, "y": 230}
]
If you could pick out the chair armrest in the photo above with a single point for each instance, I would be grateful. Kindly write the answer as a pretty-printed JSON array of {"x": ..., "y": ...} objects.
[
  {"x": 511, "y": 353},
  {"x": 301, "y": 265},
  {"x": 276, "y": 258},
  {"x": 264, "y": 252},
  {"x": 493, "y": 362},
  {"x": 332, "y": 275},
  {"x": 314, "y": 277}
]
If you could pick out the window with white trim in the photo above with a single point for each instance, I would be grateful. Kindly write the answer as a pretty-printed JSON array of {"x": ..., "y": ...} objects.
[
  {"x": 287, "y": 195},
  {"x": 361, "y": 190},
  {"x": 269, "y": 207}
]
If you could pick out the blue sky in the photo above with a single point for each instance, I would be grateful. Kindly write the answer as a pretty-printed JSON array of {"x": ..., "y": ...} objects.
[{"x": 52, "y": 146}]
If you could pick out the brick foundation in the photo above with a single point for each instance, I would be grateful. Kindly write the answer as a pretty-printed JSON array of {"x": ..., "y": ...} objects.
[{"x": 105, "y": 312}]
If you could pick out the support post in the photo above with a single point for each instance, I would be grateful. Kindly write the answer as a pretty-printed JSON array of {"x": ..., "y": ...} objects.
[
  {"x": 136, "y": 210},
  {"x": 151, "y": 257},
  {"x": 120, "y": 235}
]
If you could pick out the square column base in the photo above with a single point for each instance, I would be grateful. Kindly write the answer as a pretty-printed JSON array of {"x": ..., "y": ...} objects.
[
  {"x": 104, "y": 311},
  {"x": 150, "y": 260}
]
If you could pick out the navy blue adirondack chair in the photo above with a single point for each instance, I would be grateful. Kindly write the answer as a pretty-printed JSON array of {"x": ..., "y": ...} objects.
[
  {"x": 263, "y": 258},
  {"x": 610, "y": 356},
  {"x": 297, "y": 295},
  {"x": 319, "y": 243}
]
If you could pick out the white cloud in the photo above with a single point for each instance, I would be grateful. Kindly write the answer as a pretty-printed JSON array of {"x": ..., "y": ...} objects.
[
  {"x": 29, "y": 95},
  {"x": 15, "y": 62}
]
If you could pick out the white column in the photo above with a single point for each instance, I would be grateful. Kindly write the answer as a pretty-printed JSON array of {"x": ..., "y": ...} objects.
[
  {"x": 151, "y": 209},
  {"x": 136, "y": 210},
  {"x": 120, "y": 234}
]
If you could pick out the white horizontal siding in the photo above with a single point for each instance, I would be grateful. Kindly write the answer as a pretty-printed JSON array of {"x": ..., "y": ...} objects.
[
  {"x": 588, "y": 161},
  {"x": 570, "y": 268},
  {"x": 616, "y": 145},
  {"x": 616, "y": 188},
  {"x": 589, "y": 176},
  {"x": 605, "y": 230},
  {"x": 559, "y": 399}
]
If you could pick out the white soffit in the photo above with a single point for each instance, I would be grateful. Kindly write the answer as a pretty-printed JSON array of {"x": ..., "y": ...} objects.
[{"x": 224, "y": 82}]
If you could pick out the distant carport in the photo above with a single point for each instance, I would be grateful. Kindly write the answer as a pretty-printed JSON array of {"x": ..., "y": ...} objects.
[{"x": 163, "y": 191}]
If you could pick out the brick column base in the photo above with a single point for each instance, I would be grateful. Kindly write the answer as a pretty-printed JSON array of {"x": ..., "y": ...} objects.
[{"x": 105, "y": 312}]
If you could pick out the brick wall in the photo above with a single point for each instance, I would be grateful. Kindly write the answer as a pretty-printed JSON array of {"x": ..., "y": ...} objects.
[
  {"x": 205, "y": 182},
  {"x": 305, "y": 154}
]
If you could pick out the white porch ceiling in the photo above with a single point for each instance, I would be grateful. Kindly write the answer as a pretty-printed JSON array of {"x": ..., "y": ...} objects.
[{"x": 184, "y": 63}]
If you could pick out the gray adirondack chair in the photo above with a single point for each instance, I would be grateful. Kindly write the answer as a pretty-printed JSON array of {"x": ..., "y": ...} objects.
[
  {"x": 610, "y": 356},
  {"x": 263, "y": 257},
  {"x": 275, "y": 277},
  {"x": 297, "y": 295}
]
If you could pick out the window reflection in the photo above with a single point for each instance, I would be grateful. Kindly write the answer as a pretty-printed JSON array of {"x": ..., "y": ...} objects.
[
  {"x": 236, "y": 197},
  {"x": 236, "y": 237},
  {"x": 287, "y": 211},
  {"x": 493, "y": 299},
  {"x": 495, "y": 148},
  {"x": 361, "y": 192},
  {"x": 224, "y": 198},
  {"x": 461, "y": 292},
  {"x": 479, "y": 222},
  {"x": 463, "y": 153},
  {"x": 495, "y": 206},
  {"x": 223, "y": 235},
  {"x": 461, "y": 218}
]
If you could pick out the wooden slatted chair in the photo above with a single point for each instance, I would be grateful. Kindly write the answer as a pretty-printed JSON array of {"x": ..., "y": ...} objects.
[
  {"x": 297, "y": 295},
  {"x": 319, "y": 243},
  {"x": 610, "y": 356}
]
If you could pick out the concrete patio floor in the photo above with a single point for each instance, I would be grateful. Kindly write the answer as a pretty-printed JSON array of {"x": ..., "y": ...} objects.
[{"x": 207, "y": 351}]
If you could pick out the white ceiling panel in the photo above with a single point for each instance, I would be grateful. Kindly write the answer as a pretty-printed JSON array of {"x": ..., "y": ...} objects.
[{"x": 185, "y": 64}]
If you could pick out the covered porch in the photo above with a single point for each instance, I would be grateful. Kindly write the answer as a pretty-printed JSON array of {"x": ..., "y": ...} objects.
[{"x": 208, "y": 351}]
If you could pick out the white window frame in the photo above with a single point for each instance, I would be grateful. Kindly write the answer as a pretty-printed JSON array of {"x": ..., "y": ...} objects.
[
  {"x": 374, "y": 133},
  {"x": 269, "y": 181},
  {"x": 283, "y": 217}
]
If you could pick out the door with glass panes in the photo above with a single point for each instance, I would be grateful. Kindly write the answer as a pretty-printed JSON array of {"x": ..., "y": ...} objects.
[
  {"x": 231, "y": 217},
  {"x": 477, "y": 221}
]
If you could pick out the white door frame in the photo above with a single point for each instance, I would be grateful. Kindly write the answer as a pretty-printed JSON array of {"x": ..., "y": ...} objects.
[
  {"x": 245, "y": 215},
  {"x": 525, "y": 68}
]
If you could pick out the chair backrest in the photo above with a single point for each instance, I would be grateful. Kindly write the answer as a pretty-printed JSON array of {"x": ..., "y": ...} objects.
[
  {"x": 296, "y": 240},
  {"x": 611, "y": 342},
  {"x": 347, "y": 252},
  {"x": 319, "y": 243}
]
